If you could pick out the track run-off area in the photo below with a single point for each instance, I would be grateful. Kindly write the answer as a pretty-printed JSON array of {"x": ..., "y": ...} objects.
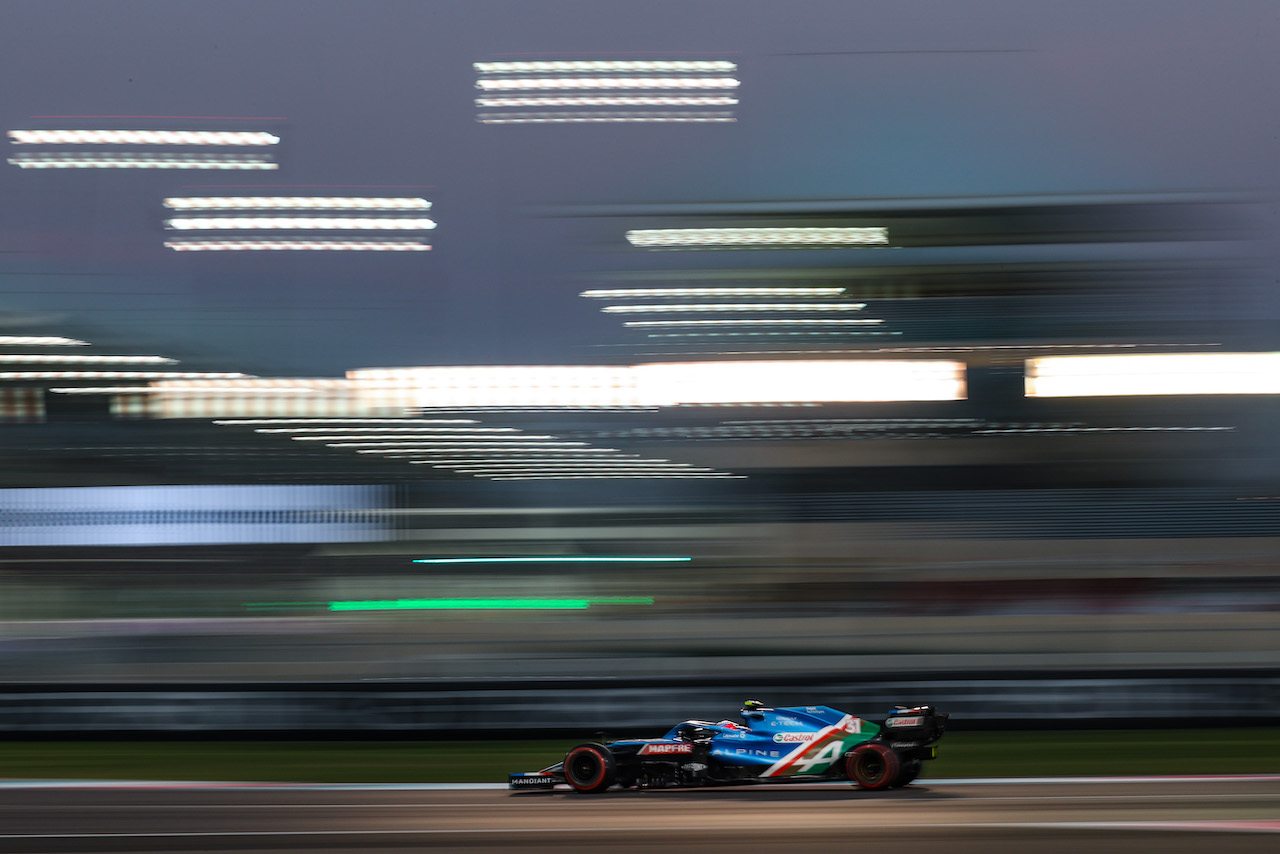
[{"x": 1136, "y": 814}]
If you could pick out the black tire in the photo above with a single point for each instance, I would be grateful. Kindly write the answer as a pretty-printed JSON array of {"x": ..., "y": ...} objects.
[
  {"x": 873, "y": 766},
  {"x": 909, "y": 771},
  {"x": 590, "y": 768}
]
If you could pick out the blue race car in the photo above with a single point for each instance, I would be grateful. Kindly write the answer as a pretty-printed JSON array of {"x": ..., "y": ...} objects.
[{"x": 771, "y": 745}]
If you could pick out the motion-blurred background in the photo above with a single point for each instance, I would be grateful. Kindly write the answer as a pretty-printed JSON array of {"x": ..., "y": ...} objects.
[{"x": 497, "y": 365}]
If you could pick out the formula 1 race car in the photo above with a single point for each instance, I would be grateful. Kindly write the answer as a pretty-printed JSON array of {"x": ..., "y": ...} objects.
[{"x": 771, "y": 745}]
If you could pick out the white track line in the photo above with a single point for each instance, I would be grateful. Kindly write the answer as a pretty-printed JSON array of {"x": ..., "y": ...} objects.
[
  {"x": 1161, "y": 778},
  {"x": 535, "y": 803},
  {"x": 473, "y": 787},
  {"x": 1230, "y": 826},
  {"x": 279, "y": 787}
]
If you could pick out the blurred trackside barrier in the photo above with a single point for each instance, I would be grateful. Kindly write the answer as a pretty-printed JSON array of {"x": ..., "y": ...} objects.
[{"x": 976, "y": 700}]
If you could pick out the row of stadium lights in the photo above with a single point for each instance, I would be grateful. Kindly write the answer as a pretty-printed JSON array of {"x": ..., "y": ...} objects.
[
  {"x": 536, "y": 92},
  {"x": 492, "y": 453},
  {"x": 328, "y": 214},
  {"x": 1200, "y": 373},
  {"x": 494, "y": 76},
  {"x": 316, "y": 205},
  {"x": 590, "y": 83},
  {"x": 63, "y": 368},
  {"x": 376, "y": 214},
  {"x": 724, "y": 238},
  {"x": 734, "y": 383},
  {"x": 303, "y": 213},
  {"x": 694, "y": 383},
  {"x": 492, "y": 79},
  {"x": 1156, "y": 373},
  {"x": 757, "y": 383},
  {"x": 701, "y": 83},
  {"x": 739, "y": 301},
  {"x": 128, "y": 159},
  {"x": 686, "y": 78},
  {"x": 573, "y": 83},
  {"x": 1150, "y": 373}
]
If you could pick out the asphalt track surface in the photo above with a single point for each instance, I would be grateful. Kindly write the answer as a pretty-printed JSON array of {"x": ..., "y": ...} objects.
[{"x": 1134, "y": 815}]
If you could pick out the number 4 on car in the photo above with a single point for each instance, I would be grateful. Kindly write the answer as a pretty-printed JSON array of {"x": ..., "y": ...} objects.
[{"x": 769, "y": 745}]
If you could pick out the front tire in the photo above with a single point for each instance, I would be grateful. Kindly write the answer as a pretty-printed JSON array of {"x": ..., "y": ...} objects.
[
  {"x": 590, "y": 768},
  {"x": 873, "y": 766}
]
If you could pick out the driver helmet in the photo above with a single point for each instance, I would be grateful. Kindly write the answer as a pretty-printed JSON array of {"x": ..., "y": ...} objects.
[{"x": 752, "y": 705}]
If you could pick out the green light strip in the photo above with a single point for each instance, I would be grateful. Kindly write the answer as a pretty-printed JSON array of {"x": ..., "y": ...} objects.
[
  {"x": 462, "y": 605},
  {"x": 551, "y": 559}
]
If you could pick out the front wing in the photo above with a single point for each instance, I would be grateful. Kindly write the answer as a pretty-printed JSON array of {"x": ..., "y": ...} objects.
[
  {"x": 533, "y": 780},
  {"x": 547, "y": 778}
]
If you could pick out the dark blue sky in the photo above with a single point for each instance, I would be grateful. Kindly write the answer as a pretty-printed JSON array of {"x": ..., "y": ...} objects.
[{"x": 839, "y": 100}]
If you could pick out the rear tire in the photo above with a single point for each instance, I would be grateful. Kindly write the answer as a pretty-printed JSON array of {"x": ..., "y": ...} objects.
[
  {"x": 590, "y": 768},
  {"x": 873, "y": 766},
  {"x": 909, "y": 771}
]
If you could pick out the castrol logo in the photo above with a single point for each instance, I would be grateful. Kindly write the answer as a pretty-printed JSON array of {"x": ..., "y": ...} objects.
[{"x": 791, "y": 737}]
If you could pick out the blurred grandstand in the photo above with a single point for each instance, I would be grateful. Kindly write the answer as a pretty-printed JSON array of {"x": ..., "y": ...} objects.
[{"x": 167, "y": 526}]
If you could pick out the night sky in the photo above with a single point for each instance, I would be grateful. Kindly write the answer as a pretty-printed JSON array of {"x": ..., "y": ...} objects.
[{"x": 839, "y": 101}]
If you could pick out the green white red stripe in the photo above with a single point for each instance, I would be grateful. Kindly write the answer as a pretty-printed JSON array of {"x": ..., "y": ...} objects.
[{"x": 824, "y": 747}]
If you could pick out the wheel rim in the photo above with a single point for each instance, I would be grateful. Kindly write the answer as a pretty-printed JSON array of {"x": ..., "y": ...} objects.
[
  {"x": 870, "y": 767},
  {"x": 584, "y": 768}
]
